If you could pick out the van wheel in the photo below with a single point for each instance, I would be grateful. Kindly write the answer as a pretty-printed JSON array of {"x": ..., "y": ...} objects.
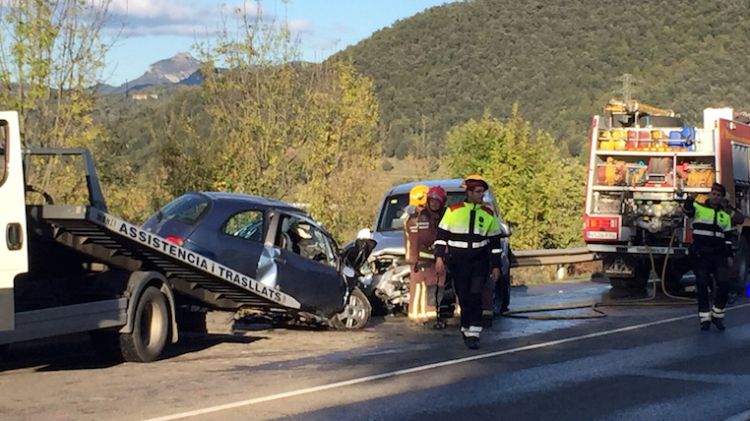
[
  {"x": 356, "y": 313},
  {"x": 150, "y": 328}
]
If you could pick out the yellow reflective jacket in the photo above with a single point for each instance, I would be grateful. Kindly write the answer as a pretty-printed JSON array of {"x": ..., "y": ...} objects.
[
  {"x": 712, "y": 228},
  {"x": 468, "y": 230}
]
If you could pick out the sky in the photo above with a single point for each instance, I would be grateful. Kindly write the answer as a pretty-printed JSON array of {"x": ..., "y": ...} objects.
[{"x": 142, "y": 32}]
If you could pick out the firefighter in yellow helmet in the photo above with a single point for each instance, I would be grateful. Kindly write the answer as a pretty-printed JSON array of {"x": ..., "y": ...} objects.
[
  {"x": 420, "y": 230},
  {"x": 468, "y": 242}
]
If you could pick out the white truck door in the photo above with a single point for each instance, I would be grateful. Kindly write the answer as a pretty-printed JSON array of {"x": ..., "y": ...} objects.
[{"x": 13, "y": 238}]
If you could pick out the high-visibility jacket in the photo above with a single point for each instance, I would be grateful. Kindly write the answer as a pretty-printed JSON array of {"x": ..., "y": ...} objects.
[
  {"x": 712, "y": 228},
  {"x": 467, "y": 230}
]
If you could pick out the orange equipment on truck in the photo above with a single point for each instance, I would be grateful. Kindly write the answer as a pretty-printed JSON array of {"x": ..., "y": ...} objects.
[{"x": 644, "y": 162}]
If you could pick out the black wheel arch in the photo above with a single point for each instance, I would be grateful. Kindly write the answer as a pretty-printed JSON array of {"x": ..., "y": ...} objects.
[{"x": 137, "y": 283}]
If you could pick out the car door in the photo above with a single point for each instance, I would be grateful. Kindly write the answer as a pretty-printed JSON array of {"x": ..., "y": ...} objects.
[
  {"x": 13, "y": 237},
  {"x": 239, "y": 242},
  {"x": 307, "y": 266}
]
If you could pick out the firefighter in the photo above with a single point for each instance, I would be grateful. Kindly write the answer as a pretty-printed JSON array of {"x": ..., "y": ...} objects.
[
  {"x": 420, "y": 230},
  {"x": 713, "y": 253},
  {"x": 417, "y": 203},
  {"x": 468, "y": 243}
]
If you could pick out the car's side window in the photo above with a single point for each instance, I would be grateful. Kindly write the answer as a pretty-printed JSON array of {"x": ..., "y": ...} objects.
[
  {"x": 302, "y": 237},
  {"x": 247, "y": 225}
]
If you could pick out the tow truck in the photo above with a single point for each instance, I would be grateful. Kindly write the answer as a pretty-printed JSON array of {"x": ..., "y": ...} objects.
[{"x": 67, "y": 268}]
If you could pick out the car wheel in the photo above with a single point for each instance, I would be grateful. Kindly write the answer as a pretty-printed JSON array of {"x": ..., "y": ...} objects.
[{"x": 355, "y": 314}]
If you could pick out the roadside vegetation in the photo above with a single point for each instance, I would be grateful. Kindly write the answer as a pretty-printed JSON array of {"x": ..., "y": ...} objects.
[{"x": 499, "y": 88}]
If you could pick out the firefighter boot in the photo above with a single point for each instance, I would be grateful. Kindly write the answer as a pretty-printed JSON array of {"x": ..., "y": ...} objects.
[
  {"x": 487, "y": 316},
  {"x": 717, "y": 317},
  {"x": 439, "y": 324},
  {"x": 471, "y": 342},
  {"x": 471, "y": 336},
  {"x": 719, "y": 323},
  {"x": 705, "y": 318}
]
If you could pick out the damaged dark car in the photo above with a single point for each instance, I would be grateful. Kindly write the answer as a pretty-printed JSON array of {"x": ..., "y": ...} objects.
[{"x": 277, "y": 244}]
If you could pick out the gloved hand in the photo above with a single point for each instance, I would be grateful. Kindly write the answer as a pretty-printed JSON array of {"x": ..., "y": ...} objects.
[
  {"x": 495, "y": 275},
  {"x": 440, "y": 266}
]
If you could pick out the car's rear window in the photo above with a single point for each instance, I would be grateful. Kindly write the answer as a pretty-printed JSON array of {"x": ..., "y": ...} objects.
[{"x": 187, "y": 209}]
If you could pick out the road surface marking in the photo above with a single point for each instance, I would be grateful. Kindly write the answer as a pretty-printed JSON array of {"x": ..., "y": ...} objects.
[
  {"x": 742, "y": 416},
  {"x": 402, "y": 372}
]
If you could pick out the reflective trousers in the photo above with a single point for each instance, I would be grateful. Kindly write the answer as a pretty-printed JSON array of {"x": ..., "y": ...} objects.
[
  {"x": 426, "y": 288},
  {"x": 469, "y": 277},
  {"x": 704, "y": 266}
]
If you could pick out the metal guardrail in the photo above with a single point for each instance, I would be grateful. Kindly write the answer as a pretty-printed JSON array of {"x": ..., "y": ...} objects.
[{"x": 523, "y": 258}]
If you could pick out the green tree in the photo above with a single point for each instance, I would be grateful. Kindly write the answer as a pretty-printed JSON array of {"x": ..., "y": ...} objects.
[
  {"x": 537, "y": 187},
  {"x": 278, "y": 128},
  {"x": 51, "y": 57}
]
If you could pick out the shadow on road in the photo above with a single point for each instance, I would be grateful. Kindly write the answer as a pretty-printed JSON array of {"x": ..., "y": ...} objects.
[{"x": 75, "y": 352}]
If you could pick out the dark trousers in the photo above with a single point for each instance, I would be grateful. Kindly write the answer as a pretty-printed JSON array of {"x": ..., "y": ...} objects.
[
  {"x": 502, "y": 294},
  {"x": 469, "y": 276},
  {"x": 704, "y": 266}
]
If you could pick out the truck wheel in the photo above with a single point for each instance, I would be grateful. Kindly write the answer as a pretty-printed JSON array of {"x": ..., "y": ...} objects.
[
  {"x": 743, "y": 265},
  {"x": 637, "y": 282},
  {"x": 355, "y": 315},
  {"x": 150, "y": 328}
]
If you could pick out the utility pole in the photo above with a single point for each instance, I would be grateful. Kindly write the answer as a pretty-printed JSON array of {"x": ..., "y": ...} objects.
[{"x": 627, "y": 86}]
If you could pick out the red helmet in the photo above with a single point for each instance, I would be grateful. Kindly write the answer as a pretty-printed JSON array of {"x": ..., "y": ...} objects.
[{"x": 437, "y": 192}]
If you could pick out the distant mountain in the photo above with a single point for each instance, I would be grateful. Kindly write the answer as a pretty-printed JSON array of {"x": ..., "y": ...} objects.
[
  {"x": 181, "y": 69},
  {"x": 195, "y": 79},
  {"x": 168, "y": 71},
  {"x": 106, "y": 89}
]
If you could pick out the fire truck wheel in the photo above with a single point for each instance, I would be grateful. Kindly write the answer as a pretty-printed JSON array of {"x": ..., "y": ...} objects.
[
  {"x": 637, "y": 282},
  {"x": 150, "y": 328}
]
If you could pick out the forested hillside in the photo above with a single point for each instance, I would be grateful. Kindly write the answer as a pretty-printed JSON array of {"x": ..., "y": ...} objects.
[{"x": 558, "y": 59}]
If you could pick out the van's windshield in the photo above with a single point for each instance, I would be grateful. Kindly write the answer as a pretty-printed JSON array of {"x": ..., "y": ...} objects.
[{"x": 391, "y": 216}]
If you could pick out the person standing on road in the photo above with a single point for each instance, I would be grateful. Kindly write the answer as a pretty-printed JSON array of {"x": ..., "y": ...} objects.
[
  {"x": 468, "y": 243},
  {"x": 420, "y": 231},
  {"x": 713, "y": 253}
]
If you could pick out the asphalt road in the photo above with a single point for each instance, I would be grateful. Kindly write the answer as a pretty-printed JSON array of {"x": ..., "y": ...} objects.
[{"x": 645, "y": 362}]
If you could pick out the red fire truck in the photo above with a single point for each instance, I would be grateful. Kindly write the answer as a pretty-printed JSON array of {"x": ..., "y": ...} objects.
[{"x": 643, "y": 163}]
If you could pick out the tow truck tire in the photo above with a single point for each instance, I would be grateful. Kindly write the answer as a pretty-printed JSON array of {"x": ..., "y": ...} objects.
[
  {"x": 355, "y": 315},
  {"x": 150, "y": 328}
]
